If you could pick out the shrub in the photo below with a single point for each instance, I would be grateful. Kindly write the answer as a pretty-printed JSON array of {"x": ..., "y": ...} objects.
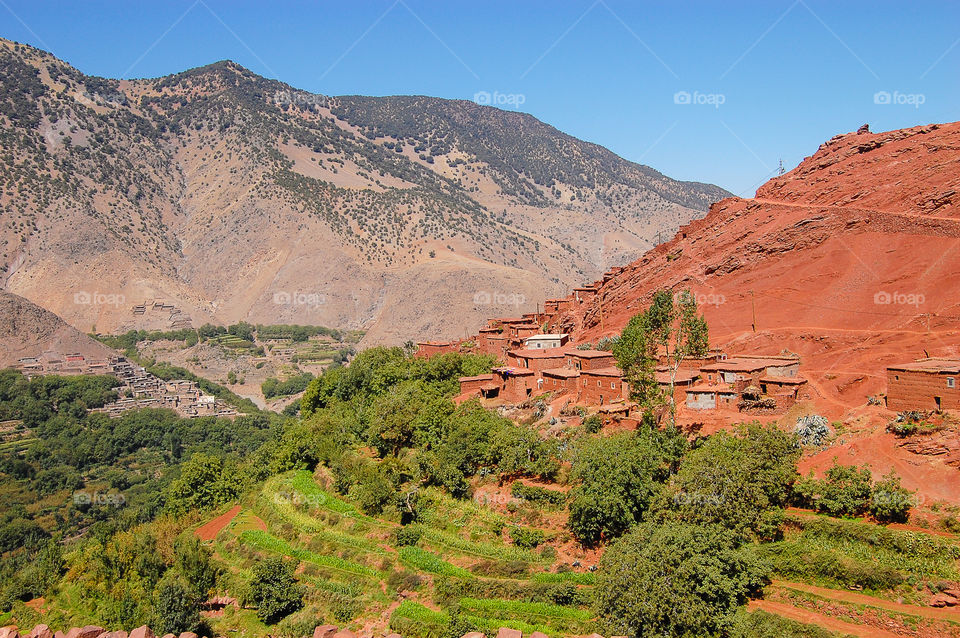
[
  {"x": 812, "y": 429},
  {"x": 408, "y": 535},
  {"x": 889, "y": 501},
  {"x": 536, "y": 494},
  {"x": 527, "y": 538},
  {"x": 274, "y": 590}
]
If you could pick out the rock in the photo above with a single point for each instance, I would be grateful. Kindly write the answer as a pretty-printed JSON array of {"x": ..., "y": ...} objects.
[
  {"x": 188, "y": 634},
  {"x": 9, "y": 632},
  {"x": 943, "y": 600},
  {"x": 142, "y": 632},
  {"x": 169, "y": 636},
  {"x": 393, "y": 636},
  {"x": 88, "y": 631},
  {"x": 41, "y": 631},
  {"x": 952, "y": 592},
  {"x": 506, "y": 632},
  {"x": 344, "y": 633},
  {"x": 539, "y": 634},
  {"x": 474, "y": 634},
  {"x": 863, "y": 129},
  {"x": 325, "y": 631}
]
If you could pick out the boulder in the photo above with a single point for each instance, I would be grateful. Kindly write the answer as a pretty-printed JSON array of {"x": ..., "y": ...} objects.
[
  {"x": 325, "y": 631},
  {"x": 539, "y": 634},
  {"x": 393, "y": 636},
  {"x": 88, "y": 631},
  {"x": 474, "y": 634},
  {"x": 41, "y": 631},
  {"x": 169, "y": 636},
  {"x": 506, "y": 632},
  {"x": 142, "y": 632},
  {"x": 9, "y": 632},
  {"x": 188, "y": 634},
  {"x": 943, "y": 600}
]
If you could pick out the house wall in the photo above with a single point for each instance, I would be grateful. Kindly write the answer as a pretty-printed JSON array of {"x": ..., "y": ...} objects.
[
  {"x": 702, "y": 400},
  {"x": 560, "y": 384},
  {"x": 915, "y": 390},
  {"x": 600, "y": 390}
]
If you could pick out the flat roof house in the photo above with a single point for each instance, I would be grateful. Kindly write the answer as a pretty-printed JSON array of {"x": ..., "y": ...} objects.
[
  {"x": 925, "y": 384},
  {"x": 542, "y": 341}
]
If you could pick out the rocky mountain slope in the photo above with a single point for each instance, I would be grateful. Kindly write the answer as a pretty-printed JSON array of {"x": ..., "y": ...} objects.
[
  {"x": 851, "y": 259},
  {"x": 229, "y": 196},
  {"x": 27, "y": 330}
]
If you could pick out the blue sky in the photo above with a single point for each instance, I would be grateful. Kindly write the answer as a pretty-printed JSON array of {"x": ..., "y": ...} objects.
[{"x": 709, "y": 91}]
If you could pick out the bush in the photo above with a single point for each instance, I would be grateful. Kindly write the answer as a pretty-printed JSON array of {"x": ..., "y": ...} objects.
[
  {"x": 812, "y": 429},
  {"x": 537, "y": 495},
  {"x": 274, "y": 590},
  {"x": 676, "y": 579},
  {"x": 527, "y": 538},
  {"x": 593, "y": 423},
  {"x": 889, "y": 501},
  {"x": 408, "y": 535}
]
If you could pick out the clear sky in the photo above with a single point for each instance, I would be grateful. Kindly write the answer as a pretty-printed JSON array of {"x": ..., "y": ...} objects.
[{"x": 711, "y": 91}]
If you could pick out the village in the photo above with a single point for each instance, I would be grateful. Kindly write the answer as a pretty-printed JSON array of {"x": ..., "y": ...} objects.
[
  {"x": 537, "y": 362},
  {"x": 139, "y": 388}
]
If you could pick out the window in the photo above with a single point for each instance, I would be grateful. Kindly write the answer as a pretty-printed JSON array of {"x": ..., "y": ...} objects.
[
  {"x": 613, "y": 385},
  {"x": 598, "y": 384},
  {"x": 951, "y": 382}
]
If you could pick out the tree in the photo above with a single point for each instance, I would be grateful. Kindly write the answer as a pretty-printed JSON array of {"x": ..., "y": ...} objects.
[
  {"x": 675, "y": 580},
  {"x": 618, "y": 477},
  {"x": 205, "y": 481},
  {"x": 741, "y": 481},
  {"x": 662, "y": 325},
  {"x": 176, "y": 606},
  {"x": 274, "y": 590},
  {"x": 889, "y": 501},
  {"x": 195, "y": 564}
]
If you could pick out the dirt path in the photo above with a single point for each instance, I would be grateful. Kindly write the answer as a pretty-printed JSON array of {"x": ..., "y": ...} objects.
[
  {"x": 930, "y": 613},
  {"x": 209, "y": 530},
  {"x": 821, "y": 620}
]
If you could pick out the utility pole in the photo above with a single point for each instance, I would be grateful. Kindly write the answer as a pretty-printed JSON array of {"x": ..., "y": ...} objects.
[
  {"x": 780, "y": 170},
  {"x": 753, "y": 305},
  {"x": 600, "y": 300}
]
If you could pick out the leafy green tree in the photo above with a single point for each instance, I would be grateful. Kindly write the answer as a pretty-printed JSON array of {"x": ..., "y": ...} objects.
[
  {"x": 274, "y": 589},
  {"x": 617, "y": 478},
  {"x": 195, "y": 564},
  {"x": 676, "y": 579},
  {"x": 889, "y": 501},
  {"x": 636, "y": 353},
  {"x": 845, "y": 490},
  {"x": 741, "y": 481},
  {"x": 205, "y": 481},
  {"x": 176, "y": 605}
]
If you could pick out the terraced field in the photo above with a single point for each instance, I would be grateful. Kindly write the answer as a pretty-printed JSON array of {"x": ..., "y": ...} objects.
[{"x": 460, "y": 568}]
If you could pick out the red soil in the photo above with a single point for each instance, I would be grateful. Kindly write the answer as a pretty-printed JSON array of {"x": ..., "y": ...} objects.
[
  {"x": 930, "y": 613},
  {"x": 822, "y": 620},
  {"x": 209, "y": 530}
]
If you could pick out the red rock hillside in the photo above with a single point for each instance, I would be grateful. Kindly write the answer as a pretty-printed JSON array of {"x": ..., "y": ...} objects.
[{"x": 851, "y": 260}]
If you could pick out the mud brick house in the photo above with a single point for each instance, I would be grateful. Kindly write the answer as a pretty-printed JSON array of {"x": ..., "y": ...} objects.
[
  {"x": 584, "y": 294},
  {"x": 682, "y": 382},
  {"x": 925, "y": 384},
  {"x": 481, "y": 385},
  {"x": 589, "y": 359},
  {"x": 542, "y": 341},
  {"x": 560, "y": 381},
  {"x": 515, "y": 385},
  {"x": 600, "y": 386},
  {"x": 748, "y": 370},
  {"x": 426, "y": 349},
  {"x": 707, "y": 396},
  {"x": 537, "y": 360}
]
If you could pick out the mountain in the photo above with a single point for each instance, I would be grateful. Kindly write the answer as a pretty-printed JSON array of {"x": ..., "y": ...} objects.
[
  {"x": 218, "y": 195},
  {"x": 851, "y": 260},
  {"x": 27, "y": 330}
]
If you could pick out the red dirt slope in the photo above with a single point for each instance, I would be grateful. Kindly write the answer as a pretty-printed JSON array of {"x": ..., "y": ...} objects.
[{"x": 852, "y": 260}]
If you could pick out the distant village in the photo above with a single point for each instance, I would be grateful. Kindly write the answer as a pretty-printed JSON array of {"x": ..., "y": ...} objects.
[
  {"x": 140, "y": 389},
  {"x": 537, "y": 362}
]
